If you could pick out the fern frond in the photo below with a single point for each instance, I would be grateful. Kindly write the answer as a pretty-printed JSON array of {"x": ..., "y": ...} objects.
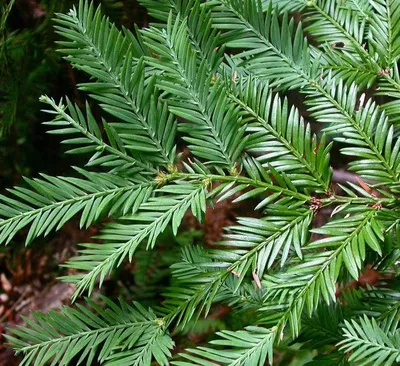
[
  {"x": 344, "y": 24},
  {"x": 332, "y": 22},
  {"x": 380, "y": 41},
  {"x": 282, "y": 6},
  {"x": 385, "y": 31},
  {"x": 193, "y": 289},
  {"x": 390, "y": 87},
  {"x": 255, "y": 246},
  {"x": 248, "y": 28},
  {"x": 348, "y": 67},
  {"x": 113, "y": 154},
  {"x": 380, "y": 302},
  {"x": 119, "y": 334},
  {"x": 198, "y": 283},
  {"x": 291, "y": 65},
  {"x": 120, "y": 84},
  {"x": 301, "y": 285},
  {"x": 365, "y": 231},
  {"x": 52, "y": 201},
  {"x": 248, "y": 347},
  {"x": 366, "y": 129},
  {"x": 286, "y": 275},
  {"x": 369, "y": 343},
  {"x": 162, "y": 9},
  {"x": 244, "y": 299},
  {"x": 377, "y": 23},
  {"x": 204, "y": 39},
  {"x": 213, "y": 123},
  {"x": 279, "y": 137},
  {"x": 121, "y": 239},
  {"x": 260, "y": 241},
  {"x": 364, "y": 7}
]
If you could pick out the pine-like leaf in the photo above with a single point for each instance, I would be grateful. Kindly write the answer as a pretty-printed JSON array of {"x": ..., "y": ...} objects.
[
  {"x": 221, "y": 80},
  {"x": 113, "y": 154},
  {"x": 121, "y": 334},
  {"x": 280, "y": 138},
  {"x": 213, "y": 127},
  {"x": 304, "y": 284},
  {"x": 330, "y": 100},
  {"x": 248, "y": 347},
  {"x": 120, "y": 84},
  {"x": 52, "y": 201},
  {"x": 369, "y": 343},
  {"x": 122, "y": 239},
  {"x": 385, "y": 31}
]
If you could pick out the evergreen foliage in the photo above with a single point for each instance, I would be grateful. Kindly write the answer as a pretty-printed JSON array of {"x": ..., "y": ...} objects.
[{"x": 216, "y": 77}]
